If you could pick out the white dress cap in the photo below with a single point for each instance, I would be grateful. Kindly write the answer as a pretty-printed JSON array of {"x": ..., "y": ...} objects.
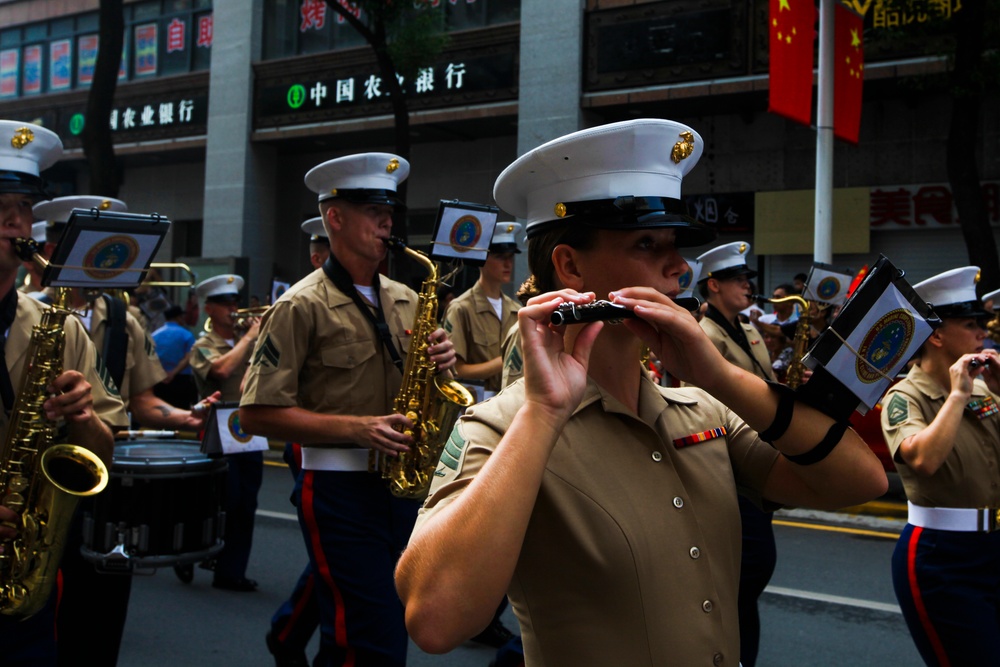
[
  {"x": 726, "y": 261},
  {"x": 38, "y": 231},
  {"x": 505, "y": 237},
  {"x": 953, "y": 293},
  {"x": 58, "y": 210},
  {"x": 224, "y": 285},
  {"x": 645, "y": 158},
  {"x": 27, "y": 148},
  {"x": 314, "y": 227},
  {"x": 366, "y": 177},
  {"x": 993, "y": 296}
]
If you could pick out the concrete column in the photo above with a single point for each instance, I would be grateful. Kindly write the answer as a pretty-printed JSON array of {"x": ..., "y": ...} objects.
[
  {"x": 550, "y": 79},
  {"x": 240, "y": 192}
]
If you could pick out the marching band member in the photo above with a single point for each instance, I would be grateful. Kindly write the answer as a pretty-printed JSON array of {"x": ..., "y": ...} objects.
[
  {"x": 83, "y": 396},
  {"x": 477, "y": 320},
  {"x": 219, "y": 360},
  {"x": 941, "y": 424},
  {"x": 618, "y": 542},
  {"x": 725, "y": 286},
  {"x": 132, "y": 364},
  {"x": 323, "y": 374}
]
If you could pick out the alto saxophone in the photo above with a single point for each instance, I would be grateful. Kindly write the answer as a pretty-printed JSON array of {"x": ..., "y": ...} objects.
[
  {"x": 800, "y": 342},
  {"x": 39, "y": 480},
  {"x": 432, "y": 402}
]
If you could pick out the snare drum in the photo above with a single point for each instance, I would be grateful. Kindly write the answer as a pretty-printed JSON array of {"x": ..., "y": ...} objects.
[{"x": 162, "y": 507}]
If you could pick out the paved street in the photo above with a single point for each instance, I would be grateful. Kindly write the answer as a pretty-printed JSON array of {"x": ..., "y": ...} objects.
[{"x": 830, "y": 602}]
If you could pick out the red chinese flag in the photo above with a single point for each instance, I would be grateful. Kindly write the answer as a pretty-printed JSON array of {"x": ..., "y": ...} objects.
[
  {"x": 793, "y": 32},
  {"x": 848, "y": 73}
]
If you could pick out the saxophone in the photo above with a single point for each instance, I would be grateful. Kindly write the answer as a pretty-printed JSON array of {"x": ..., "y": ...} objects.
[
  {"x": 800, "y": 343},
  {"x": 40, "y": 480},
  {"x": 432, "y": 402}
]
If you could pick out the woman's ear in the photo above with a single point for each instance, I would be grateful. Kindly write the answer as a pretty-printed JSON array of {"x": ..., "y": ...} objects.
[
  {"x": 564, "y": 260},
  {"x": 935, "y": 339}
]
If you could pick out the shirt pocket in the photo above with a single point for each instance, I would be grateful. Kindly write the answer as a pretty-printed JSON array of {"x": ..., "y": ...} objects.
[{"x": 348, "y": 367}]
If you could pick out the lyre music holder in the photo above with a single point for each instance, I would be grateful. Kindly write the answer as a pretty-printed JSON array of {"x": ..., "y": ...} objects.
[
  {"x": 463, "y": 231},
  {"x": 105, "y": 250}
]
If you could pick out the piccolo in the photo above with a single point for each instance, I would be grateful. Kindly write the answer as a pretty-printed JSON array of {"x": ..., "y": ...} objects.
[
  {"x": 976, "y": 363},
  {"x": 572, "y": 313}
]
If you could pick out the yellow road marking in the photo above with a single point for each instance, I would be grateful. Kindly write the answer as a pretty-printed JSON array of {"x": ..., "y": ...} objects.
[{"x": 837, "y": 529}]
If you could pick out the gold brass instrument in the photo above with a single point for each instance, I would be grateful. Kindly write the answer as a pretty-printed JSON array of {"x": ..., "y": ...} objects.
[
  {"x": 40, "y": 480},
  {"x": 431, "y": 401},
  {"x": 184, "y": 268},
  {"x": 243, "y": 318},
  {"x": 800, "y": 342}
]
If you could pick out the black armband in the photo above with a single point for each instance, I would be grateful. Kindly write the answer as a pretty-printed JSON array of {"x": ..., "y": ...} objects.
[
  {"x": 823, "y": 449},
  {"x": 783, "y": 416}
]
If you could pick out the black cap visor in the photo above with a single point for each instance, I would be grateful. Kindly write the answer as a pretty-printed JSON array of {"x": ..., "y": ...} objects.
[
  {"x": 17, "y": 182},
  {"x": 964, "y": 309},
  {"x": 630, "y": 212},
  {"x": 504, "y": 247},
  {"x": 732, "y": 272},
  {"x": 369, "y": 196}
]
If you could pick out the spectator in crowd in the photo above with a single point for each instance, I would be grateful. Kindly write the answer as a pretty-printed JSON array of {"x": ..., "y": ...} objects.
[{"x": 173, "y": 345}]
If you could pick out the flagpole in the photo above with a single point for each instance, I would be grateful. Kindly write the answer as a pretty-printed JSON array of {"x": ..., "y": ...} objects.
[{"x": 823, "y": 230}]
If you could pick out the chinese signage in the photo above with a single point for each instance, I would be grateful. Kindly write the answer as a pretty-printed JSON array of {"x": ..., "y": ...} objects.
[
  {"x": 896, "y": 13},
  {"x": 924, "y": 207},
  {"x": 178, "y": 116},
  {"x": 330, "y": 94},
  {"x": 731, "y": 212}
]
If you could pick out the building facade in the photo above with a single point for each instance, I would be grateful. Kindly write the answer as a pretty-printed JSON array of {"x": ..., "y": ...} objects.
[{"x": 222, "y": 106}]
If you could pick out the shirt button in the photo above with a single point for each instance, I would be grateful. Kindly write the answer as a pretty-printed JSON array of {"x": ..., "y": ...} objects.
[
  {"x": 678, "y": 502},
  {"x": 695, "y": 552},
  {"x": 717, "y": 659},
  {"x": 706, "y": 606},
  {"x": 657, "y": 456}
]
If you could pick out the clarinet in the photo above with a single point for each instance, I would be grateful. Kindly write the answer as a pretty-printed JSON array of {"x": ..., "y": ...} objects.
[{"x": 571, "y": 313}]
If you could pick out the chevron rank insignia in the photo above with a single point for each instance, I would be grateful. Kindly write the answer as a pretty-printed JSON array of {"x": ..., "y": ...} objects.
[
  {"x": 898, "y": 410},
  {"x": 514, "y": 363},
  {"x": 105, "y": 375},
  {"x": 451, "y": 455},
  {"x": 150, "y": 347},
  {"x": 267, "y": 353},
  {"x": 447, "y": 325}
]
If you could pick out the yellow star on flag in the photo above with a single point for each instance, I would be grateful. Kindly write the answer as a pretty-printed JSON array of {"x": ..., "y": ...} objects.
[
  {"x": 855, "y": 38},
  {"x": 783, "y": 4}
]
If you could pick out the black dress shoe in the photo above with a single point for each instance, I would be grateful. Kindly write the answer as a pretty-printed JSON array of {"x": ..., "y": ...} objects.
[
  {"x": 496, "y": 635},
  {"x": 241, "y": 585},
  {"x": 283, "y": 656}
]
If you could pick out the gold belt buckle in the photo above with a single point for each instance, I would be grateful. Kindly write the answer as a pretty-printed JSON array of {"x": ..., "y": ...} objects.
[{"x": 993, "y": 519}]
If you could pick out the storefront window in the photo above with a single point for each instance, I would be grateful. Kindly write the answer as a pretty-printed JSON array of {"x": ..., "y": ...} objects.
[
  {"x": 300, "y": 27},
  {"x": 162, "y": 37}
]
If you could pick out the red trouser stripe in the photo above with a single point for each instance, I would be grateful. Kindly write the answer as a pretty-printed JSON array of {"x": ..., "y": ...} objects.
[
  {"x": 300, "y": 605},
  {"x": 918, "y": 601},
  {"x": 322, "y": 567}
]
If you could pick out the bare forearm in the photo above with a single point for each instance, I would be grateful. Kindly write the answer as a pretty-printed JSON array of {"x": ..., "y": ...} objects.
[
  {"x": 928, "y": 449},
  {"x": 298, "y": 425},
  {"x": 233, "y": 361},
  {"x": 152, "y": 411},
  {"x": 458, "y": 566},
  {"x": 481, "y": 371},
  {"x": 849, "y": 475},
  {"x": 93, "y": 434}
]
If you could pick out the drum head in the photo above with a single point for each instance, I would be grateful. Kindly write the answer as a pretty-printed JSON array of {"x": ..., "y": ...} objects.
[{"x": 160, "y": 457}]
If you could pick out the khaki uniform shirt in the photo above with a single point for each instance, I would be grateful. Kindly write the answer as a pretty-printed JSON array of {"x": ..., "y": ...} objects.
[
  {"x": 473, "y": 327},
  {"x": 970, "y": 475},
  {"x": 78, "y": 354},
  {"x": 319, "y": 352},
  {"x": 632, "y": 553},
  {"x": 513, "y": 361},
  {"x": 734, "y": 354},
  {"x": 142, "y": 366},
  {"x": 207, "y": 348}
]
